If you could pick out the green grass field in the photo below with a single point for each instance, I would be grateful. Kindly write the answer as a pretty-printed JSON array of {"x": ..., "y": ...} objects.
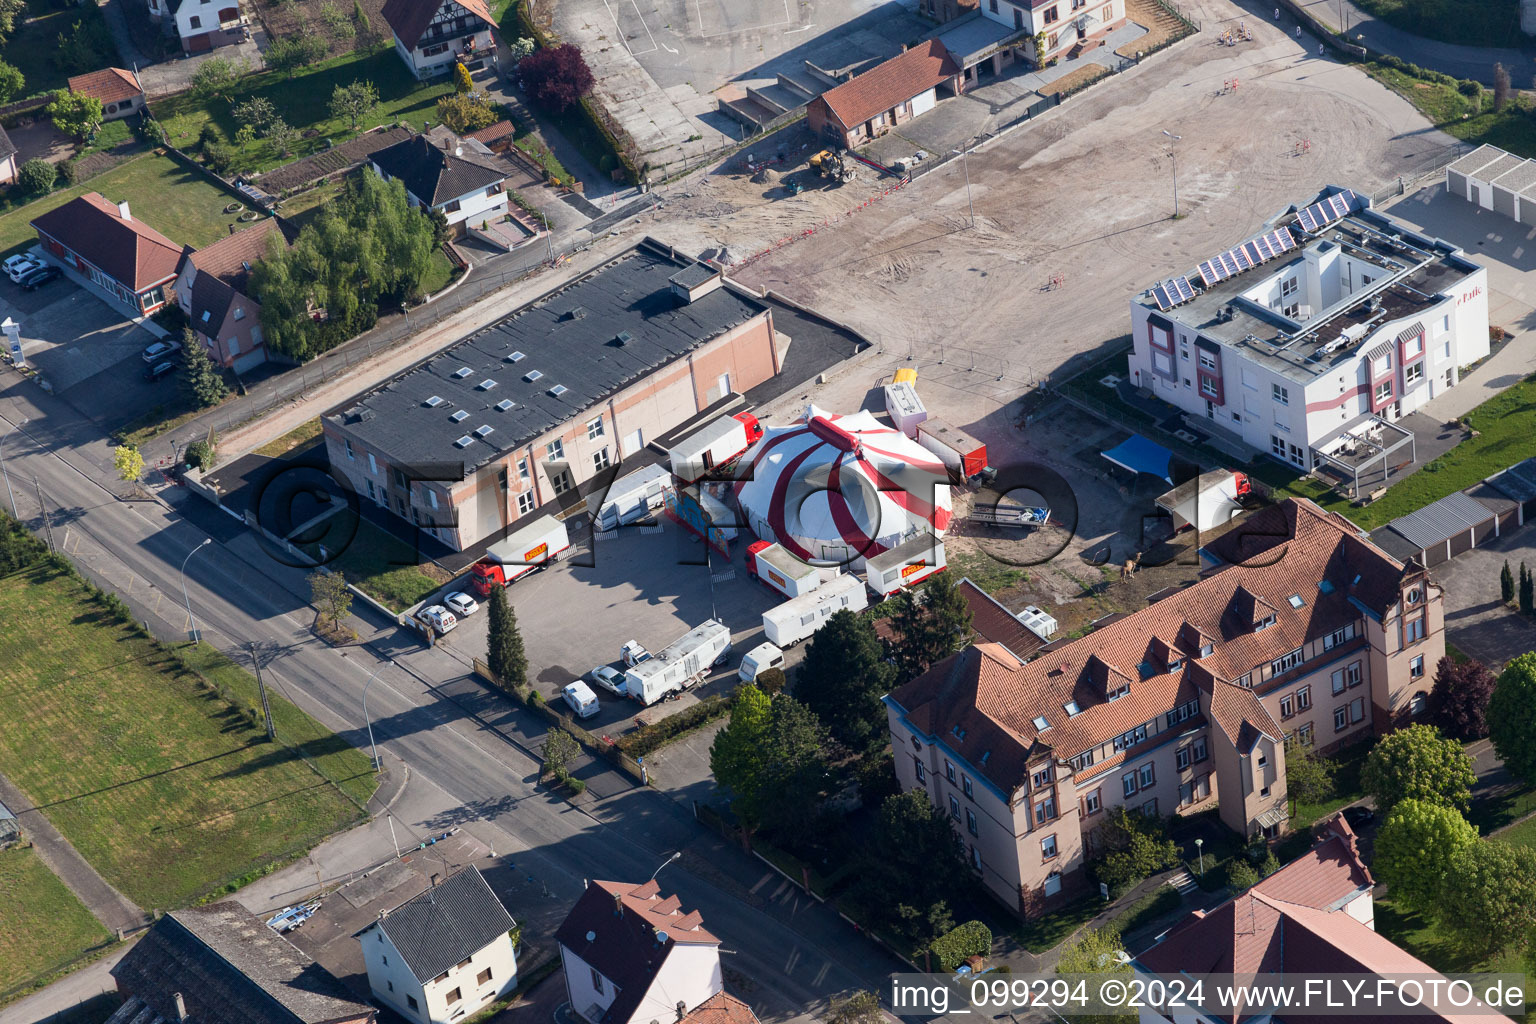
[
  {"x": 44, "y": 925},
  {"x": 167, "y": 788},
  {"x": 1457, "y": 114},
  {"x": 169, "y": 198},
  {"x": 387, "y": 568},
  {"x": 304, "y": 103},
  {"x": 1346, "y": 785},
  {"x": 1420, "y": 936},
  {"x": 438, "y": 274}
]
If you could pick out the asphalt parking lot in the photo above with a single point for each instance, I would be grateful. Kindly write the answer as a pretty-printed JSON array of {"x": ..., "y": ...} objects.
[
  {"x": 645, "y": 584},
  {"x": 1476, "y": 619}
]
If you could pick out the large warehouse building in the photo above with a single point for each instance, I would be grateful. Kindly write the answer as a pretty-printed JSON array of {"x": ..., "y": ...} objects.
[
  {"x": 528, "y": 408},
  {"x": 1309, "y": 341}
]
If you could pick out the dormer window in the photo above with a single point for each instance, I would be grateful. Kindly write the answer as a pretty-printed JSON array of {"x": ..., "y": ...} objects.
[
  {"x": 1121, "y": 692},
  {"x": 1264, "y": 623},
  {"x": 1206, "y": 650},
  {"x": 1415, "y": 596},
  {"x": 1174, "y": 663}
]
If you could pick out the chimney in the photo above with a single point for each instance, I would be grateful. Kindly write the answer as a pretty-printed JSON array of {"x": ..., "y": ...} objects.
[
  {"x": 434, "y": 878},
  {"x": 682, "y": 1009},
  {"x": 181, "y": 1004},
  {"x": 618, "y": 905},
  {"x": 122, "y": 210}
]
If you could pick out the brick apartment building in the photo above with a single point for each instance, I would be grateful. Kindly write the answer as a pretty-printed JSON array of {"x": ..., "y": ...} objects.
[
  {"x": 1301, "y": 628},
  {"x": 535, "y": 405}
]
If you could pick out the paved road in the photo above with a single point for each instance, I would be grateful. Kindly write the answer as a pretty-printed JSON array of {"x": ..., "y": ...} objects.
[
  {"x": 796, "y": 952},
  {"x": 1474, "y": 62}
]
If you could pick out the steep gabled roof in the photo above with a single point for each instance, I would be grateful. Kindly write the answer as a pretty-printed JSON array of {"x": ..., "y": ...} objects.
[
  {"x": 230, "y": 968},
  {"x": 1327, "y": 876},
  {"x": 985, "y": 702},
  {"x": 721, "y": 1008},
  {"x": 626, "y": 932},
  {"x": 224, "y": 269},
  {"x": 890, "y": 84},
  {"x": 125, "y": 247},
  {"x": 446, "y": 923},
  {"x": 110, "y": 85},
  {"x": 408, "y": 19},
  {"x": 434, "y": 174}
]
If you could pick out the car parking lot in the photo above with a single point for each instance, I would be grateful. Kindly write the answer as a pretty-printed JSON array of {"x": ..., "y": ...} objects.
[{"x": 644, "y": 583}]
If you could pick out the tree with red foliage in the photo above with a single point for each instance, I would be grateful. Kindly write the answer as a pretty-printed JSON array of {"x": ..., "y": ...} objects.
[
  {"x": 556, "y": 77},
  {"x": 1458, "y": 704}
]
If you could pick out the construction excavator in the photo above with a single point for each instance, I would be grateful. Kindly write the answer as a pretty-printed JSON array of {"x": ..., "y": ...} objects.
[{"x": 832, "y": 166}]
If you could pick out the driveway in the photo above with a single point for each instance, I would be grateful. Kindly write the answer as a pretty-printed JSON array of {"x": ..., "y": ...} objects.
[
  {"x": 1474, "y": 62},
  {"x": 1477, "y": 621}
]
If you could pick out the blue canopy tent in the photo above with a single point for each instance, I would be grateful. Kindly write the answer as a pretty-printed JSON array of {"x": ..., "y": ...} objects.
[{"x": 1138, "y": 455}]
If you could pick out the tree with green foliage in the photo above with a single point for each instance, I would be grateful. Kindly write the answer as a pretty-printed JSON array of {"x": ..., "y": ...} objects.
[
  {"x": 85, "y": 47},
  {"x": 504, "y": 643},
  {"x": 1241, "y": 875},
  {"x": 1500, "y": 87},
  {"x": 519, "y": 48},
  {"x": 465, "y": 113},
  {"x": 12, "y": 82},
  {"x": 295, "y": 53},
  {"x": 281, "y": 136},
  {"x": 1098, "y": 951},
  {"x": 912, "y": 865},
  {"x": 559, "y": 750},
  {"x": 201, "y": 381},
  {"x": 352, "y": 103},
  {"x": 1527, "y": 591},
  {"x": 245, "y": 136},
  {"x": 128, "y": 462},
  {"x": 200, "y": 454},
  {"x": 1135, "y": 846},
  {"x": 771, "y": 681},
  {"x": 1507, "y": 584},
  {"x": 217, "y": 78},
  {"x": 1414, "y": 849},
  {"x": 331, "y": 596},
  {"x": 1488, "y": 897},
  {"x": 1308, "y": 777},
  {"x": 1417, "y": 763},
  {"x": 256, "y": 112},
  {"x": 842, "y": 679},
  {"x": 859, "y": 1008},
  {"x": 930, "y": 625},
  {"x": 952, "y": 949},
  {"x": 463, "y": 84},
  {"x": 75, "y": 114},
  {"x": 9, "y": 9},
  {"x": 360, "y": 19},
  {"x": 37, "y": 177},
  {"x": 1458, "y": 702},
  {"x": 1512, "y": 717},
  {"x": 770, "y": 757}
]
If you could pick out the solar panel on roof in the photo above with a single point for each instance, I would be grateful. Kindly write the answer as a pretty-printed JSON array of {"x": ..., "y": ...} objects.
[
  {"x": 1282, "y": 240},
  {"x": 1185, "y": 289},
  {"x": 1210, "y": 273},
  {"x": 1307, "y": 221},
  {"x": 1160, "y": 296},
  {"x": 1241, "y": 256},
  {"x": 1265, "y": 249}
]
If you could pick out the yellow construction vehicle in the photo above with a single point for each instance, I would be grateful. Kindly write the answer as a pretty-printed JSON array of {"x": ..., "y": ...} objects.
[{"x": 832, "y": 166}]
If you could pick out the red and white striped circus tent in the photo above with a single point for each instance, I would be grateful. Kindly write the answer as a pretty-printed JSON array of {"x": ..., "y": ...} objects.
[{"x": 839, "y": 489}]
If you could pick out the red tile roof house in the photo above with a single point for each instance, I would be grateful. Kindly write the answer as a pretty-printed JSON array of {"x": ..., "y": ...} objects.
[
  {"x": 7, "y": 159},
  {"x": 1303, "y": 628},
  {"x": 869, "y": 105},
  {"x": 124, "y": 260},
  {"x": 430, "y": 35},
  {"x": 633, "y": 956},
  {"x": 1314, "y": 916},
  {"x": 118, "y": 90},
  {"x": 213, "y": 289}
]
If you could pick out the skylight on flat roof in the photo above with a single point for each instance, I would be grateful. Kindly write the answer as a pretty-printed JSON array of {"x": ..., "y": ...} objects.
[
  {"x": 484, "y": 430},
  {"x": 460, "y": 415},
  {"x": 487, "y": 384},
  {"x": 558, "y": 390},
  {"x": 515, "y": 356},
  {"x": 464, "y": 442},
  {"x": 505, "y": 404},
  {"x": 532, "y": 375},
  {"x": 463, "y": 371},
  {"x": 433, "y": 402},
  {"x": 1296, "y": 601}
]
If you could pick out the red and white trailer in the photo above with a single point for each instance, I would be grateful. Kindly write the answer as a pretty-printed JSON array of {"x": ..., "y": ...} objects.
[
  {"x": 905, "y": 565},
  {"x": 532, "y": 547},
  {"x": 717, "y": 444},
  {"x": 1206, "y": 501},
  {"x": 962, "y": 454},
  {"x": 775, "y": 566}
]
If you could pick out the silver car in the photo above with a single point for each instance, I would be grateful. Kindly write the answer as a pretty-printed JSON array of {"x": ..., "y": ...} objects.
[{"x": 609, "y": 678}]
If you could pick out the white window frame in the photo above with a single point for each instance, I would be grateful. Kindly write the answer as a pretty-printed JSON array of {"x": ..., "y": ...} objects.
[
  {"x": 1280, "y": 394},
  {"x": 594, "y": 429}
]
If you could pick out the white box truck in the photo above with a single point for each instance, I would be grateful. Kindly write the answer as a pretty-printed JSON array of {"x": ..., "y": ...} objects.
[
  {"x": 774, "y": 565},
  {"x": 799, "y": 617},
  {"x": 532, "y": 547},
  {"x": 906, "y": 564},
  {"x": 905, "y": 409},
  {"x": 631, "y": 497},
  {"x": 685, "y": 661},
  {"x": 714, "y": 445}
]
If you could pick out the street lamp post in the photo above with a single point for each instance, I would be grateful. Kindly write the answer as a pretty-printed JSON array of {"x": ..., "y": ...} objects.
[
  {"x": 966, "y": 166},
  {"x": 192, "y": 620},
  {"x": 1199, "y": 846},
  {"x": 663, "y": 864},
  {"x": 7, "y": 472},
  {"x": 373, "y": 747},
  {"x": 1173, "y": 154}
]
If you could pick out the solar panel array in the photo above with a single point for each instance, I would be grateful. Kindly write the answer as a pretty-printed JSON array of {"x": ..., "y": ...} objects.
[
  {"x": 1319, "y": 215},
  {"x": 1172, "y": 292},
  {"x": 1246, "y": 256}
]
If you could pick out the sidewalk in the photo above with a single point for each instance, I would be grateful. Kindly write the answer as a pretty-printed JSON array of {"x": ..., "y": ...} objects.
[{"x": 1474, "y": 62}]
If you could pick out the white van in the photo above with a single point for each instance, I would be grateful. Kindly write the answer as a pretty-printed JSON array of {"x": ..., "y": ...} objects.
[
  {"x": 581, "y": 699},
  {"x": 759, "y": 660}
]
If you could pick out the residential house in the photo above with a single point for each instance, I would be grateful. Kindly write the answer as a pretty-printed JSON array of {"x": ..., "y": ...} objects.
[
  {"x": 1302, "y": 628},
  {"x": 430, "y": 35},
  {"x": 1046, "y": 30},
  {"x": 201, "y": 25},
  {"x": 220, "y": 964},
  {"x": 460, "y": 178},
  {"x": 891, "y": 93},
  {"x": 443, "y": 954},
  {"x": 536, "y": 405},
  {"x": 213, "y": 290},
  {"x": 946, "y": 10},
  {"x": 125, "y": 260},
  {"x": 632, "y": 956},
  {"x": 1313, "y": 917},
  {"x": 1310, "y": 340},
  {"x": 118, "y": 90},
  {"x": 7, "y": 159}
]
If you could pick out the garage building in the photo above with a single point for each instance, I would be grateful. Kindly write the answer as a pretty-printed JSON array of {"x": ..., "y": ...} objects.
[
  {"x": 1441, "y": 530},
  {"x": 530, "y": 408},
  {"x": 869, "y": 105},
  {"x": 1495, "y": 180}
]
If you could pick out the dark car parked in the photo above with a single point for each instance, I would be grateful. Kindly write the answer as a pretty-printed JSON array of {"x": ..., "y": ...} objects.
[
  {"x": 159, "y": 370},
  {"x": 38, "y": 277}
]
